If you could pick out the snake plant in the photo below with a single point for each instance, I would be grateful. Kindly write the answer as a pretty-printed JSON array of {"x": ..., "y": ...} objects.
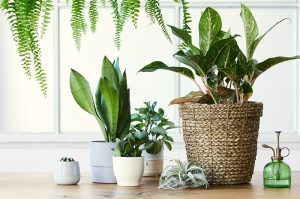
[
  {"x": 111, "y": 106},
  {"x": 182, "y": 175},
  {"x": 225, "y": 72},
  {"x": 155, "y": 124}
]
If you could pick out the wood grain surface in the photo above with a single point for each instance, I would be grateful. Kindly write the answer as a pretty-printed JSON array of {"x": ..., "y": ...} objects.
[{"x": 41, "y": 186}]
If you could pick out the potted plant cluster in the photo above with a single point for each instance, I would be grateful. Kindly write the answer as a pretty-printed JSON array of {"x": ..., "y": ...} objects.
[
  {"x": 220, "y": 126},
  {"x": 67, "y": 172},
  {"x": 155, "y": 124},
  {"x": 111, "y": 109},
  {"x": 128, "y": 162}
]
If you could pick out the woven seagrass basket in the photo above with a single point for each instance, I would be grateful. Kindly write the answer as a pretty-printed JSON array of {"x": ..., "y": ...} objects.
[{"x": 222, "y": 139}]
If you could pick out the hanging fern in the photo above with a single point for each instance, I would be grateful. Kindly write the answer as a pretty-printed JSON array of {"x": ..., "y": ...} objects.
[
  {"x": 117, "y": 21},
  {"x": 186, "y": 19},
  {"x": 23, "y": 17},
  {"x": 46, "y": 15},
  {"x": 78, "y": 22},
  {"x": 93, "y": 14},
  {"x": 135, "y": 9},
  {"x": 154, "y": 12}
]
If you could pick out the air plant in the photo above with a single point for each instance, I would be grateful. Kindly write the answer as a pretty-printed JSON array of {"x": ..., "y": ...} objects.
[{"x": 182, "y": 175}]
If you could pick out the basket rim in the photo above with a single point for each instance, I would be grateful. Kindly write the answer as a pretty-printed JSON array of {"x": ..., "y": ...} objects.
[{"x": 248, "y": 103}]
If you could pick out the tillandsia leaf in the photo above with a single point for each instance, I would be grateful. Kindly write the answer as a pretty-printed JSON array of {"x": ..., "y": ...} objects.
[
  {"x": 111, "y": 105},
  {"x": 268, "y": 63},
  {"x": 179, "y": 176},
  {"x": 250, "y": 28},
  {"x": 160, "y": 65},
  {"x": 255, "y": 43},
  {"x": 209, "y": 25},
  {"x": 110, "y": 73}
]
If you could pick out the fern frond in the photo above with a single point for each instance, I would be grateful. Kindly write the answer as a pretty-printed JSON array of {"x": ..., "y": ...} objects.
[
  {"x": 150, "y": 11},
  {"x": 93, "y": 14},
  {"x": 4, "y": 4},
  {"x": 187, "y": 18},
  {"x": 135, "y": 9},
  {"x": 159, "y": 18},
  {"x": 78, "y": 22},
  {"x": 116, "y": 17},
  {"x": 47, "y": 7},
  {"x": 103, "y": 2}
]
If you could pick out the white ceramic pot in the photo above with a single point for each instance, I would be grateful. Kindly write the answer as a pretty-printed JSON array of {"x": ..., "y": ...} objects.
[
  {"x": 153, "y": 163},
  {"x": 101, "y": 154},
  {"x": 67, "y": 173},
  {"x": 128, "y": 170}
]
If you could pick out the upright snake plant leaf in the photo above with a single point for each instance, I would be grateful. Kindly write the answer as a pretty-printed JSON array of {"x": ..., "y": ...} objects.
[
  {"x": 268, "y": 63},
  {"x": 209, "y": 25},
  {"x": 111, "y": 105},
  {"x": 257, "y": 40},
  {"x": 82, "y": 94},
  {"x": 250, "y": 28},
  {"x": 160, "y": 65},
  {"x": 117, "y": 69},
  {"x": 124, "y": 110},
  {"x": 109, "y": 72}
]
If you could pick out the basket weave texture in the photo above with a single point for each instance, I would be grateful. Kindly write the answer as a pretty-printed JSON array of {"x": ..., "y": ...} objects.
[{"x": 222, "y": 139}]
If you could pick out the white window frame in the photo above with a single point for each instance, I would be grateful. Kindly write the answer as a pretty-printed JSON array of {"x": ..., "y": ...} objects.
[{"x": 58, "y": 137}]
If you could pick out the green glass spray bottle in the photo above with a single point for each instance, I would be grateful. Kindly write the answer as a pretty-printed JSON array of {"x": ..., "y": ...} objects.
[{"x": 277, "y": 174}]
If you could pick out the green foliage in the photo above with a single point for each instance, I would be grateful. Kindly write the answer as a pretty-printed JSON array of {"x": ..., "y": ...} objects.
[
  {"x": 66, "y": 159},
  {"x": 24, "y": 20},
  {"x": 93, "y": 14},
  {"x": 131, "y": 145},
  {"x": 111, "y": 106},
  {"x": 182, "y": 175},
  {"x": 227, "y": 75},
  {"x": 78, "y": 22},
  {"x": 155, "y": 124}
]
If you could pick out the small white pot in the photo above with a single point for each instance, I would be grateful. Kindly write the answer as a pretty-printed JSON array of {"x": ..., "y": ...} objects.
[
  {"x": 153, "y": 163},
  {"x": 67, "y": 173},
  {"x": 128, "y": 170}
]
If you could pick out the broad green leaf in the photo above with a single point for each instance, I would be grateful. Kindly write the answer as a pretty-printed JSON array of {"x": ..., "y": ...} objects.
[
  {"x": 209, "y": 25},
  {"x": 268, "y": 63},
  {"x": 81, "y": 92},
  {"x": 159, "y": 130},
  {"x": 257, "y": 40},
  {"x": 109, "y": 72},
  {"x": 124, "y": 113},
  {"x": 168, "y": 144},
  {"x": 111, "y": 105},
  {"x": 160, "y": 65},
  {"x": 214, "y": 52},
  {"x": 193, "y": 97},
  {"x": 141, "y": 135},
  {"x": 196, "y": 62},
  {"x": 250, "y": 28},
  {"x": 181, "y": 34},
  {"x": 228, "y": 55}
]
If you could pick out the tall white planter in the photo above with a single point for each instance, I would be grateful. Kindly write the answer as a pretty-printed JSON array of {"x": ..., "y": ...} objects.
[
  {"x": 67, "y": 173},
  {"x": 153, "y": 163},
  {"x": 101, "y": 154},
  {"x": 128, "y": 170}
]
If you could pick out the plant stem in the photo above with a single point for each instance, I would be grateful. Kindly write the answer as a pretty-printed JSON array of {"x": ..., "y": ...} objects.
[{"x": 208, "y": 90}]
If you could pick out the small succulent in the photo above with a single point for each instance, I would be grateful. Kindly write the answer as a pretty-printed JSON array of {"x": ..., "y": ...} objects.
[
  {"x": 66, "y": 159},
  {"x": 155, "y": 124},
  {"x": 182, "y": 175}
]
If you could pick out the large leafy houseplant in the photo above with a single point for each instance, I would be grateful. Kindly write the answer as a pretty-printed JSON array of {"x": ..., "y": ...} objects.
[
  {"x": 29, "y": 19},
  {"x": 155, "y": 124},
  {"x": 111, "y": 106},
  {"x": 226, "y": 73}
]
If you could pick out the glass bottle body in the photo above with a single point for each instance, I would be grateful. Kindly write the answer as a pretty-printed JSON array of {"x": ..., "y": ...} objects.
[{"x": 277, "y": 174}]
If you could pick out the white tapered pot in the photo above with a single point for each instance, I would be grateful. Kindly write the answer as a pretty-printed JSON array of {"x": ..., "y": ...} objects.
[
  {"x": 153, "y": 163},
  {"x": 128, "y": 170},
  {"x": 67, "y": 173}
]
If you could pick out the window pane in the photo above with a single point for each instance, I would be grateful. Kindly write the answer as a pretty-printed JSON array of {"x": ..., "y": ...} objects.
[
  {"x": 276, "y": 87},
  {"x": 139, "y": 47},
  {"x": 23, "y": 107}
]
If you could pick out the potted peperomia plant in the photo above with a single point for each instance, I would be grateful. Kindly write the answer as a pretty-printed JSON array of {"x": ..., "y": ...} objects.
[
  {"x": 220, "y": 126},
  {"x": 67, "y": 171},
  {"x": 128, "y": 162},
  {"x": 111, "y": 108},
  {"x": 155, "y": 124}
]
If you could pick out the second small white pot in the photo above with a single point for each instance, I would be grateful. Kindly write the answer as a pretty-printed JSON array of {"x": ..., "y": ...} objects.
[
  {"x": 128, "y": 170},
  {"x": 153, "y": 163}
]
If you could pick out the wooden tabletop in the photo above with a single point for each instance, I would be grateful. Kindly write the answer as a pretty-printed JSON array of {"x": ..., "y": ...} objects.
[{"x": 41, "y": 186}]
